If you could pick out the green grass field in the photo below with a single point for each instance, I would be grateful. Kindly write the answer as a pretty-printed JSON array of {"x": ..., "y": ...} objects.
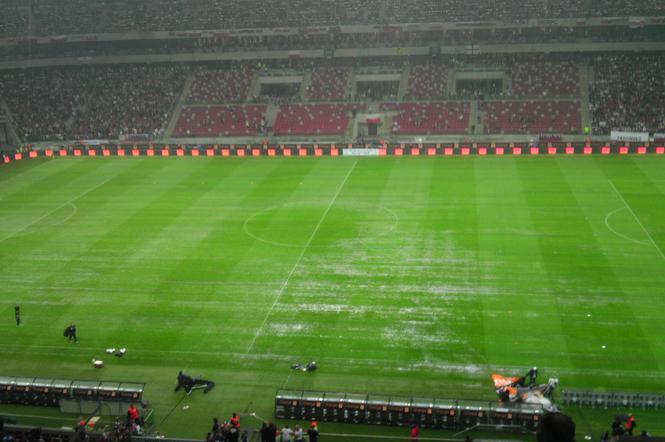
[{"x": 414, "y": 276}]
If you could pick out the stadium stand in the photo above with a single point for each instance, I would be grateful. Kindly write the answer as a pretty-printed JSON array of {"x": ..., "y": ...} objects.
[
  {"x": 435, "y": 118},
  {"x": 14, "y": 19},
  {"x": 92, "y": 102},
  {"x": 61, "y": 17},
  {"x": 613, "y": 8},
  {"x": 215, "y": 86},
  {"x": 521, "y": 117},
  {"x": 313, "y": 119},
  {"x": 427, "y": 81},
  {"x": 543, "y": 79},
  {"x": 329, "y": 83},
  {"x": 215, "y": 121},
  {"x": 628, "y": 92}
]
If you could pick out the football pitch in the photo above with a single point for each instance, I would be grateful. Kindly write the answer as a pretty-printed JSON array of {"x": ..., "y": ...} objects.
[{"x": 398, "y": 276}]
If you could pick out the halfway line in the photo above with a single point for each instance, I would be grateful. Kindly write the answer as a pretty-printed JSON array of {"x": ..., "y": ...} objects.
[
  {"x": 637, "y": 219},
  {"x": 302, "y": 253}
]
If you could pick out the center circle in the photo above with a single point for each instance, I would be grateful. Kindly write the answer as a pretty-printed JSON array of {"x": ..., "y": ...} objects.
[{"x": 296, "y": 225}]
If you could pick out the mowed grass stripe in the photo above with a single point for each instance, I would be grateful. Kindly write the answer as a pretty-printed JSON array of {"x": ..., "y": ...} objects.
[
  {"x": 28, "y": 204},
  {"x": 167, "y": 231},
  {"x": 641, "y": 197},
  {"x": 58, "y": 309},
  {"x": 522, "y": 330},
  {"x": 307, "y": 322},
  {"x": 326, "y": 184},
  {"x": 574, "y": 261},
  {"x": 633, "y": 264},
  {"x": 227, "y": 322},
  {"x": 644, "y": 273}
]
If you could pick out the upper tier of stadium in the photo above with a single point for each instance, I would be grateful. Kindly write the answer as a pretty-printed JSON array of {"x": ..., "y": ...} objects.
[{"x": 22, "y": 18}]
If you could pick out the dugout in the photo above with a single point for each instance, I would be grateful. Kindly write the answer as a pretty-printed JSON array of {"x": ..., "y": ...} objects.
[
  {"x": 73, "y": 396},
  {"x": 449, "y": 414}
]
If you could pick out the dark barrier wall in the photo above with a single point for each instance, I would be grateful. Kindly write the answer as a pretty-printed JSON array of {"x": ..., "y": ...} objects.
[{"x": 438, "y": 413}]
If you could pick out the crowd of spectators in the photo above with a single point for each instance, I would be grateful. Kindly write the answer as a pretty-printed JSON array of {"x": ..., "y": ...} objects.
[
  {"x": 278, "y": 93},
  {"x": 41, "y": 102},
  {"x": 433, "y": 118},
  {"x": 628, "y": 93},
  {"x": 626, "y": 8},
  {"x": 218, "y": 121},
  {"x": 381, "y": 38},
  {"x": 532, "y": 117},
  {"x": 544, "y": 79},
  {"x": 329, "y": 83},
  {"x": 214, "y": 86},
  {"x": 314, "y": 119},
  {"x": 92, "y": 101},
  {"x": 58, "y": 17},
  {"x": 377, "y": 90},
  {"x": 427, "y": 81},
  {"x": 13, "y": 18}
]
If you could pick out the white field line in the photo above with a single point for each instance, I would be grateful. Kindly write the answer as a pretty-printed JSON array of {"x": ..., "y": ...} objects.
[
  {"x": 660, "y": 252},
  {"x": 324, "y": 360},
  {"x": 619, "y": 234},
  {"x": 66, "y": 203},
  {"x": 302, "y": 253}
]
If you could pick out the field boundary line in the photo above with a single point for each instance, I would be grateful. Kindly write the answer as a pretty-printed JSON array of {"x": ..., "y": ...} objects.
[
  {"x": 660, "y": 252},
  {"x": 358, "y": 362},
  {"x": 297, "y": 263},
  {"x": 50, "y": 212}
]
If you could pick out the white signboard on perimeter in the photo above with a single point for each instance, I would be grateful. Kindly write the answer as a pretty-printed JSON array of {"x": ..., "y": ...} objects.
[
  {"x": 360, "y": 152},
  {"x": 630, "y": 136}
]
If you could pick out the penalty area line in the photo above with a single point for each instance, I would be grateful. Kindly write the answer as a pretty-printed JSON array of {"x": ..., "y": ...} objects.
[
  {"x": 50, "y": 212},
  {"x": 660, "y": 252},
  {"x": 297, "y": 263}
]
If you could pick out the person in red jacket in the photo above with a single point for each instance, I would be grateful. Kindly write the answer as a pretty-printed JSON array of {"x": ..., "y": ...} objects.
[
  {"x": 132, "y": 414},
  {"x": 235, "y": 420},
  {"x": 630, "y": 424},
  {"x": 415, "y": 433}
]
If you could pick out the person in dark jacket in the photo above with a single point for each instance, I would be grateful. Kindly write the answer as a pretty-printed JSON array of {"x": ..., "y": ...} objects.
[
  {"x": 313, "y": 433},
  {"x": 70, "y": 332},
  {"x": 556, "y": 427}
]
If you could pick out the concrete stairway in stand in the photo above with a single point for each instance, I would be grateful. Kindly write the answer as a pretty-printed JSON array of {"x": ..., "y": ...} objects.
[
  {"x": 182, "y": 101},
  {"x": 585, "y": 79}
]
